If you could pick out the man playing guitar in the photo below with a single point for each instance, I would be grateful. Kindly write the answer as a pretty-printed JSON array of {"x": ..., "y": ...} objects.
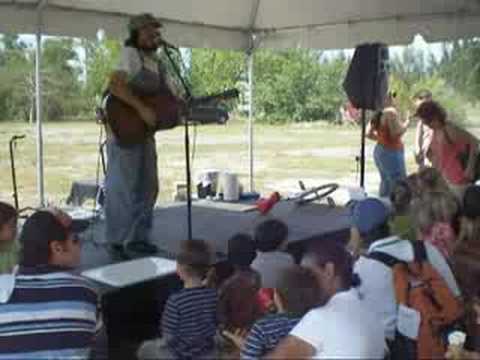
[{"x": 132, "y": 180}]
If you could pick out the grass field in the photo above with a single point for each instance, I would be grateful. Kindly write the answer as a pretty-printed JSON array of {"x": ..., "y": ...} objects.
[{"x": 315, "y": 153}]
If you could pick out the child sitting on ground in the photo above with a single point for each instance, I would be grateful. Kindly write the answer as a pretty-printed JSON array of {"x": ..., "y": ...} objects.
[
  {"x": 402, "y": 222},
  {"x": 9, "y": 246},
  {"x": 466, "y": 258},
  {"x": 296, "y": 293},
  {"x": 436, "y": 220},
  {"x": 189, "y": 318},
  {"x": 471, "y": 351},
  {"x": 271, "y": 243},
  {"x": 237, "y": 304},
  {"x": 270, "y": 238}
]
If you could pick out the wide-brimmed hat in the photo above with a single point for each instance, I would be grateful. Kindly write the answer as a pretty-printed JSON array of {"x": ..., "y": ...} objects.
[{"x": 139, "y": 21}]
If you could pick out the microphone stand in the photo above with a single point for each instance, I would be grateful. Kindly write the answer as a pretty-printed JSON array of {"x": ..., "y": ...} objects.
[{"x": 187, "y": 141}]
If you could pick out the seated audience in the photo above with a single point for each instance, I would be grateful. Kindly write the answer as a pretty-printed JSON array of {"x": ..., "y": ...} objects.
[
  {"x": 238, "y": 307},
  {"x": 430, "y": 180},
  {"x": 370, "y": 233},
  {"x": 189, "y": 319},
  {"x": 436, "y": 217},
  {"x": 295, "y": 295},
  {"x": 469, "y": 238},
  {"x": 425, "y": 181},
  {"x": 9, "y": 247},
  {"x": 471, "y": 350},
  {"x": 466, "y": 258},
  {"x": 342, "y": 326},
  {"x": 271, "y": 242},
  {"x": 47, "y": 312},
  {"x": 402, "y": 223}
]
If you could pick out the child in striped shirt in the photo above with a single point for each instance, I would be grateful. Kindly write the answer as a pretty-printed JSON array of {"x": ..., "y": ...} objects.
[
  {"x": 189, "y": 319},
  {"x": 296, "y": 293}
]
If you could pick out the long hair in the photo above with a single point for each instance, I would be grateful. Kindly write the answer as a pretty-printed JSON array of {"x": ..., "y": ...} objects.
[
  {"x": 330, "y": 251},
  {"x": 376, "y": 119},
  {"x": 132, "y": 40}
]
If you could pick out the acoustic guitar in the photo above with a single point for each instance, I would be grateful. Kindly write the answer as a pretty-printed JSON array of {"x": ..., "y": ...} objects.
[{"x": 130, "y": 129}]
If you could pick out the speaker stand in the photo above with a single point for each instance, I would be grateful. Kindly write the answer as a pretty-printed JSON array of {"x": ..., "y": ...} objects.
[{"x": 362, "y": 151}]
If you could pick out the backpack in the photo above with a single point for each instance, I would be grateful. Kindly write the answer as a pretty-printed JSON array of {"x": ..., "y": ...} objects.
[{"x": 420, "y": 288}]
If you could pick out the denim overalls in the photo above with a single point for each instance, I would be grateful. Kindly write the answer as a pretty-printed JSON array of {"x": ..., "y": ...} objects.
[{"x": 131, "y": 184}]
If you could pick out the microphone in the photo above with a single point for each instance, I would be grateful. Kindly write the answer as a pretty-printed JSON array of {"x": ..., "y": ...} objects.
[{"x": 164, "y": 43}]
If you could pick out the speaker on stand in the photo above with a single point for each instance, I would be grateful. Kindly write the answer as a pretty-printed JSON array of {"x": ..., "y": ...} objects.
[{"x": 366, "y": 86}]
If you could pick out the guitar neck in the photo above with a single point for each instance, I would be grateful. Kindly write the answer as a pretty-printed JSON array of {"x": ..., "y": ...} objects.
[{"x": 229, "y": 94}]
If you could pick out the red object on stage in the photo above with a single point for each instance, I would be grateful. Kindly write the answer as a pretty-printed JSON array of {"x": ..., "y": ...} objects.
[{"x": 265, "y": 205}]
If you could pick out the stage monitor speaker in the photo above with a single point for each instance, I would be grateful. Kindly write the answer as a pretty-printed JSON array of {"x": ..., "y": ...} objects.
[{"x": 366, "y": 83}]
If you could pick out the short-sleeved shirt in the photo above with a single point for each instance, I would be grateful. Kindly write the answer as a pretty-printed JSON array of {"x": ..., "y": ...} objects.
[
  {"x": 51, "y": 314},
  {"x": 189, "y": 322},
  {"x": 376, "y": 286},
  {"x": 344, "y": 328},
  {"x": 132, "y": 61},
  {"x": 265, "y": 334},
  {"x": 270, "y": 266}
]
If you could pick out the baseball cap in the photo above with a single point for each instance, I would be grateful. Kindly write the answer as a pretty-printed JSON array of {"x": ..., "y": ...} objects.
[
  {"x": 471, "y": 202},
  {"x": 139, "y": 21},
  {"x": 368, "y": 214},
  {"x": 40, "y": 229}
]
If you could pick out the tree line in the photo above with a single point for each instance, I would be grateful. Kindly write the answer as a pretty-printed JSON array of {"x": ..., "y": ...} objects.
[{"x": 289, "y": 86}]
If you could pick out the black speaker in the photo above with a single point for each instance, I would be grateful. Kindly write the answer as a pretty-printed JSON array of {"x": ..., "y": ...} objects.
[{"x": 366, "y": 83}]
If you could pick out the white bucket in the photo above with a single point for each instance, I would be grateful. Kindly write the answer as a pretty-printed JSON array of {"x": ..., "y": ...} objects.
[{"x": 230, "y": 186}]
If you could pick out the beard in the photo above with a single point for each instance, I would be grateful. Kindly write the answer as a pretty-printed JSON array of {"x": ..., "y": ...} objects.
[{"x": 150, "y": 49}]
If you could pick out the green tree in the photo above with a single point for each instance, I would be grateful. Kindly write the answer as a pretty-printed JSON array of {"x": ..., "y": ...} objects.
[
  {"x": 215, "y": 70},
  {"x": 60, "y": 86},
  {"x": 460, "y": 67},
  {"x": 101, "y": 58},
  {"x": 296, "y": 85}
]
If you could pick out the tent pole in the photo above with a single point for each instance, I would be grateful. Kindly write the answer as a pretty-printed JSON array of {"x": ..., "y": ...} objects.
[
  {"x": 38, "y": 112},
  {"x": 250, "y": 119}
]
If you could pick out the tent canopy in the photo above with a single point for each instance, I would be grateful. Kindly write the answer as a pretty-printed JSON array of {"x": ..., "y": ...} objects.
[
  {"x": 232, "y": 24},
  {"x": 244, "y": 25}
]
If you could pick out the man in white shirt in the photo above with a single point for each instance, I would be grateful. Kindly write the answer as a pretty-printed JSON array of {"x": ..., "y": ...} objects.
[
  {"x": 342, "y": 326},
  {"x": 131, "y": 184},
  {"x": 370, "y": 233}
]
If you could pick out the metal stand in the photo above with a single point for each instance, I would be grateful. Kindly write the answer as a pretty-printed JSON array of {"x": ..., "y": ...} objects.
[
  {"x": 362, "y": 151},
  {"x": 12, "y": 144},
  {"x": 187, "y": 144}
]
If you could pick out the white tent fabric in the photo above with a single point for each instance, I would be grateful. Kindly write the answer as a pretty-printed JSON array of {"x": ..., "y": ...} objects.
[{"x": 275, "y": 23}]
